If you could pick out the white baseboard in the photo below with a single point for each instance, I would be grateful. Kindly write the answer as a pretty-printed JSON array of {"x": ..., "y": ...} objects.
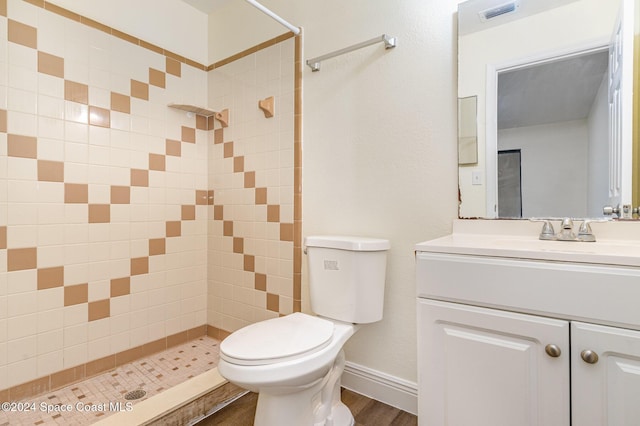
[{"x": 380, "y": 386}]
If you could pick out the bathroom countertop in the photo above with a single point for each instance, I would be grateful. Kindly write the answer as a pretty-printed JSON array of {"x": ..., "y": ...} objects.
[{"x": 618, "y": 243}]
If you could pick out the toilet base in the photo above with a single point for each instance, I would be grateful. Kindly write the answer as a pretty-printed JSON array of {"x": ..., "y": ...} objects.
[
  {"x": 296, "y": 410},
  {"x": 341, "y": 416},
  {"x": 318, "y": 404}
]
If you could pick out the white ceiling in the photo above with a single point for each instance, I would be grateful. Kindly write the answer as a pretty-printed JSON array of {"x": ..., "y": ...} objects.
[
  {"x": 206, "y": 6},
  {"x": 553, "y": 92}
]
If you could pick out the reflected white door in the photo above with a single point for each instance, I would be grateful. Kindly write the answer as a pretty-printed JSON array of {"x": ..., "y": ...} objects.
[
  {"x": 605, "y": 392},
  {"x": 485, "y": 367},
  {"x": 621, "y": 106}
]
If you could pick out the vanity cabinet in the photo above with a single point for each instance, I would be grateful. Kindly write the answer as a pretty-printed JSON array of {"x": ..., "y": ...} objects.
[
  {"x": 484, "y": 366},
  {"x": 526, "y": 341}
]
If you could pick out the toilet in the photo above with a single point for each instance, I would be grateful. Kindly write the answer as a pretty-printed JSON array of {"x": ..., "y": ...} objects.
[{"x": 294, "y": 362}]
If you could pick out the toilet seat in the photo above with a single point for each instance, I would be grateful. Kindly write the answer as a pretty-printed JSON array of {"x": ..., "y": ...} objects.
[{"x": 277, "y": 340}]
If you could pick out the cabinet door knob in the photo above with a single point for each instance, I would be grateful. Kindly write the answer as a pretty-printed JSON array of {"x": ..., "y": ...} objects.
[
  {"x": 589, "y": 356},
  {"x": 552, "y": 350}
]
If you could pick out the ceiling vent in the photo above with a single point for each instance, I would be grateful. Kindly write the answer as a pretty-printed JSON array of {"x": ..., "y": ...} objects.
[{"x": 503, "y": 9}]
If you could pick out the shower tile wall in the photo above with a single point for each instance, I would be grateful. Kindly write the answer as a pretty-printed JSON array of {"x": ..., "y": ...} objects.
[
  {"x": 104, "y": 195},
  {"x": 254, "y": 231}
]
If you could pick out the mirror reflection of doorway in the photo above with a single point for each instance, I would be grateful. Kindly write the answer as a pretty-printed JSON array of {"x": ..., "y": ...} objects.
[
  {"x": 509, "y": 183},
  {"x": 556, "y": 111}
]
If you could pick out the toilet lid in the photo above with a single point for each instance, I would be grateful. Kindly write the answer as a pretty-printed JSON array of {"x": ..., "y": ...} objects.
[{"x": 276, "y": 340}]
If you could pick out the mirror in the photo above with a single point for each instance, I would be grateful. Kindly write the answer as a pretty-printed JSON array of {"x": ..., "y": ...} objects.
[{"x": 539, "y": 70}]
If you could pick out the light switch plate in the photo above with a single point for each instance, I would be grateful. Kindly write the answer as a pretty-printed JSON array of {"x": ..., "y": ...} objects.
[{"x": 476, "y": 178}]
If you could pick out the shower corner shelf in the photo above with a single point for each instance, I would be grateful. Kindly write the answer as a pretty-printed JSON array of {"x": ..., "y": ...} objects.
[{"x": 193, "y": 109}]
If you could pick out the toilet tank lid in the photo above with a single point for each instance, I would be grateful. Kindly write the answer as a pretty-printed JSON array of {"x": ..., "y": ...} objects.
[{"x": 347, "y": 243}]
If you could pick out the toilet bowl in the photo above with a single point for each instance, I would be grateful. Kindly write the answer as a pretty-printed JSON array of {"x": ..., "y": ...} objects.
[{"x": 295, "y": 362}]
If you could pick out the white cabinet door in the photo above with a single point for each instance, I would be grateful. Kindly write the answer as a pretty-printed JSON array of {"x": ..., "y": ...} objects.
[
  {"x": 486, "y": 367},
  {"x": 607, "y": 390}
]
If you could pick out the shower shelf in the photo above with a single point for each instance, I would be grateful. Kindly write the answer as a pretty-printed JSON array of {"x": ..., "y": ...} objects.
[{"x": 193, "y": 109}]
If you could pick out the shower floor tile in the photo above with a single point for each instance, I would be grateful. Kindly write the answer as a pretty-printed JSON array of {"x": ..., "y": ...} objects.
[{"x": 95, "y": 398}]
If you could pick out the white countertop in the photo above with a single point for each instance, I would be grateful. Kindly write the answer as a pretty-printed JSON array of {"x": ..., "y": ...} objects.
[{"x": 618, "y": 243}]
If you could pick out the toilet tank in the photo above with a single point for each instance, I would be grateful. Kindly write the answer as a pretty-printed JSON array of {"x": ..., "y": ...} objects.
[{"x": 347, "y": 276}]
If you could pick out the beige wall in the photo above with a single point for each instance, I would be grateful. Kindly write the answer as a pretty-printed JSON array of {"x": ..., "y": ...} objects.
[{"x": 379, "y": 141}]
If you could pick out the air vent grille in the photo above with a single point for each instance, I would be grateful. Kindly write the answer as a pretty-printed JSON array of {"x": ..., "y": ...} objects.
[{"x": 503, "y": 9}]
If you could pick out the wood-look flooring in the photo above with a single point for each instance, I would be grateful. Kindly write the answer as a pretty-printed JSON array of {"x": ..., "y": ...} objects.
[{"x": 366, "y": 411}]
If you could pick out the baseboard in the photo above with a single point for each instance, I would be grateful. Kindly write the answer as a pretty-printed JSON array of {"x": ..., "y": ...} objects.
[{"x": 380, "y": 386}]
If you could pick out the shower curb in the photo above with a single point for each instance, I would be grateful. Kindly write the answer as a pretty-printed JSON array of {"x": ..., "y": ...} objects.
[{"x": 180, "y": 404}]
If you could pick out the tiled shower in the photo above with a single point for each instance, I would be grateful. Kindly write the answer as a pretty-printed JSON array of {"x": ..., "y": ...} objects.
[{"x": 128, "y": 226}]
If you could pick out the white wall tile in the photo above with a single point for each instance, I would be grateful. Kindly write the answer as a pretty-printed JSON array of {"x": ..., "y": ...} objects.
[
  {"x": 75, "y": 335},
  {"x": 50, "y": 149},
  {"x": 22, "y": 100},
  {"x": 76, "y": 132},
  {"x": 21, "y": 77},
  {"x": 50, "y": 128},
  {"x": 76, "y": 273},
  {"x": 98, "y": 329},
  {"x": 19, "y": 327},
  {"x": 120, "y": 306},
  {"x": 120, "y": 342},
  {"x": 22, "y": 56},
  {"x": 75, "y": 355},
  {"x": 50, "y": 341},
  {"x": 51, "y": 213},
  {"x": 51, "y": 256},
  {"x": 21, "y": 214},
  {"x": 76, "y": 172},
  {"x": 50, "y": 86},
  {"x": 21, "y": 371},
  {"x": 21, "y": 123},
  {"x": 21, "y": 168},
  {"x": 76, "y": 314},
  {"x": 99, "y": 93},
  {"x": 21, "y": 349},
  {"x": 23, "y": 235},
  {"x": 49, "y": 363},
  {"x": 99, "y": 136},
  {"x": 51, "y": 320}
]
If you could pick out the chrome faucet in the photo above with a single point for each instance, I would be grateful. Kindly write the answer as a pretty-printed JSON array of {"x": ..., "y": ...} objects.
[{"x": 566, "y": 232}]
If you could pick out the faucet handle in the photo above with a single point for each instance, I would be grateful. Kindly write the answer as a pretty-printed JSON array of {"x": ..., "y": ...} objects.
[
  {"x": 547, "y": 232},
  {"x": 585, "y": 233}
]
